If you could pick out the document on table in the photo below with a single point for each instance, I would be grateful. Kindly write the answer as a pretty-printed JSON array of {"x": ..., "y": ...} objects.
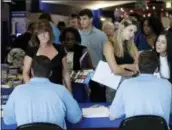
[
  {"x": 1, "y": 113},
  {"x": 5, "y": 86},
  {"x": 104, "y": 75},
  {"x": 95, "y": 111}
]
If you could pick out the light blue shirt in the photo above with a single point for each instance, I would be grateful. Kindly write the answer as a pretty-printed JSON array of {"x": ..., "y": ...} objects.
[
  {"x": 94, "y": 41},
  {"x": 142, "y": 95},
  {"x": 56, "y": 33},
  {"x": 41, "y": 101}
]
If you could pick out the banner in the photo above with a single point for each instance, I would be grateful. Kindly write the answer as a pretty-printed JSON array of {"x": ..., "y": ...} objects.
[{"x": 19, "y": 22}]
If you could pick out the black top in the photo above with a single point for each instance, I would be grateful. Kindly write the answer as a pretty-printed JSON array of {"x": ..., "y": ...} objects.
[
  {"x": 22, "y": 41},
  {"x": 127, "y": 59},
  {"x": 78, "y": 52},
  {"x": 56, "y": 76}
]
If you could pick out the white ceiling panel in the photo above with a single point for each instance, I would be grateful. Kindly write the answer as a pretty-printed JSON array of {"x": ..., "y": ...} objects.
[{"x": 90, "y": 4}]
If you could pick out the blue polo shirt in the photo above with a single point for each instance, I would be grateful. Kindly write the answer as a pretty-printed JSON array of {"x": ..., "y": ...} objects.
[
  {"x": 41, "y": 101},
  {"x": 94, "y": 41},
  {"x": 143, "y": 95},
  {"x": 56, "y": 33}
]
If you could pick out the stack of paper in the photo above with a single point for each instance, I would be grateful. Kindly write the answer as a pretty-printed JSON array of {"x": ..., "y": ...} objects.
[
  {"x": 94, "y": 112},
  {"x": 104, "y": 75}
]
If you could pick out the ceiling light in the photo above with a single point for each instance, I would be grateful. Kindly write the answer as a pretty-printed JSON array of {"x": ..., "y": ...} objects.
[
  {"x": 168, "y": 4},
  {"x": 131, "y": 11},
  {"x": 102, "y": 19}
]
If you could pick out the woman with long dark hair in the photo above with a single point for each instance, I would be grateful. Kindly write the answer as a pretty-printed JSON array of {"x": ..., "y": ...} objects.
[
  {"x": 42, "y": 44},
  {"x": 164, "y": 49},
  {"x": 150, "y": 29}
]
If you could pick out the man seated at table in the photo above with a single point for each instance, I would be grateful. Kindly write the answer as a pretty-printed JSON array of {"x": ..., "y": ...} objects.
[
  {"x": 145, "y": 94},
  {"x": 39, "y": 100}
]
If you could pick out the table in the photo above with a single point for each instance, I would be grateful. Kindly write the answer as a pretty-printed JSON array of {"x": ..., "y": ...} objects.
[
  {"x": 85, "y": 123},
  {"x": 89, "y": 123},
  {"x": 80, "y": 92}
]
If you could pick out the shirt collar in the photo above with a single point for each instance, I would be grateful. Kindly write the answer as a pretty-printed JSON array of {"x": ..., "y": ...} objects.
[
  {"x": 146, "y": 75},
  {"x": 39, "y": 79},
  {"x": 91, "y": 31}
]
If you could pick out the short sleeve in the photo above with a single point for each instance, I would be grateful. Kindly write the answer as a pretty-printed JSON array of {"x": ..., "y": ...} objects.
[
  {"x": 104, "y": 38},
  {"x": 61, "y": 50},
  {"x": 31, "y": 51}
]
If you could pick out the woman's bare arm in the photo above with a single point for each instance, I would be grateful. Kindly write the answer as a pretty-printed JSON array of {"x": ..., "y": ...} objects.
[
  {"x": 27, "y": 68},
  {"x": 110, "y": 58},
  {"x": 66, "y": 75}
]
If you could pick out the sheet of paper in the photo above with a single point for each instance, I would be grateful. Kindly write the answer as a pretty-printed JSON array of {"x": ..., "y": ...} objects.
[
  {"x": 5, "y": 86},
  {"x": 1, "y": 114},
  {"x": 104, "y": 75},
  {"x": 95, "y": 112}
]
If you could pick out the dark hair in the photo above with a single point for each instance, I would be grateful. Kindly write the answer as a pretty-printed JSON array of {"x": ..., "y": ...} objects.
[
  {"x": 169, "y": 45},
  {"x": 148, "y": 62},
  {"x": 73, "y": 31},
  {"x": 169, "y": 51},
  {"x": 41, "y": 66},
  {"x": 31, "y": 27},
  {"x": 45, "y": 16},
  {"x": 61, "y": 23},
  {"x": 41, "y": 26},
  {"x": 86, "y": 12},
  {"x": 168, "y": 36},
  {"x": 74, "y": 16},
  {"x": 154, "y": 23}
]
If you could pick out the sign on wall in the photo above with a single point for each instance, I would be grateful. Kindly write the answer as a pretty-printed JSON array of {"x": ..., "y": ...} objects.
[{"x": 19, "y": 22}]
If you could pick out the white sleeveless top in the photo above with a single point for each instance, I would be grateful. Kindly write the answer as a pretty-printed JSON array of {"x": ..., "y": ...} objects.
[{"x": 164, "y": 67}]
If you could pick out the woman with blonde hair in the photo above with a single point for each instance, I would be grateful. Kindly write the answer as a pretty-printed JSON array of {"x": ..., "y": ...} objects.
[
  {"x": 42, "y": 44},
  {"x": 121, "y": 53}
]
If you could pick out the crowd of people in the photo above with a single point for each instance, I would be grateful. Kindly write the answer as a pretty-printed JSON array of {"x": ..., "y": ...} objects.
[{"x": 134, "y": 48}]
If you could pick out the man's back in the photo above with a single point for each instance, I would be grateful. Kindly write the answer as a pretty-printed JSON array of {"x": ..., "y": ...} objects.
[
  {"x": 143, "y": 95},
  {"x": 42, "y": 101}
]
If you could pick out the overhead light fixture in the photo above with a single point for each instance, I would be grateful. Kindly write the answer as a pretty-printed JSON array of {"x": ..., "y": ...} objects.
[
  {"x": 131, "y": 11},
  {"x": 147, "y": 7},
  {"x": 8, "y": 1},
  {"x": 153, "y": 7},
  {"x": 122, "y": 9},
  {"x": 102, "y": 19},
  {"x": 168, "y": 4}
]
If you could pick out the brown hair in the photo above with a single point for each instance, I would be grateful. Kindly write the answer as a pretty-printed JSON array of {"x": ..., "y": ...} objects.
[
  {"x": 148, "y": 62},
  {"x": 39, "y": 27}
]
